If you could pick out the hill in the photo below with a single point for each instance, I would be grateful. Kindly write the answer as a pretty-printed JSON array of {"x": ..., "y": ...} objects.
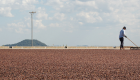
[{"x": 27, "y": 42}]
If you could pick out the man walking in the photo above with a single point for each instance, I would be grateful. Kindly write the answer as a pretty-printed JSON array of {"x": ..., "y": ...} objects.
[{"x": 122, "y": 34}]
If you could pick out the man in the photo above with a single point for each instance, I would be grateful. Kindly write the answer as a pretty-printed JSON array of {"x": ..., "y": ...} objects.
[{"x": 122, "y": 34}]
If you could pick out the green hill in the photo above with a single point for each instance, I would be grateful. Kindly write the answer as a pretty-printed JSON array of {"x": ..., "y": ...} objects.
[{"x": 27, "y": 42}]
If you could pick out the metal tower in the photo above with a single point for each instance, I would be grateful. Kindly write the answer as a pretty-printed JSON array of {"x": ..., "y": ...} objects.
[{"x": 32, "y": 26}]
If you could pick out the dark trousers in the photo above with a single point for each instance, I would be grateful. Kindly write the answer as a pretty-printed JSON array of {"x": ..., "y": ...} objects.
[{"x": 121, "y": 40}]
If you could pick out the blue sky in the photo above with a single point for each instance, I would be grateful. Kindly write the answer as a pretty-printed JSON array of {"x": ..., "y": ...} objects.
[{"x": 70, "y": 22}]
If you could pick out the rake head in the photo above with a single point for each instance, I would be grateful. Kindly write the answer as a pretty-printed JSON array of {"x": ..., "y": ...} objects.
[{"x": 134, "y": 48}]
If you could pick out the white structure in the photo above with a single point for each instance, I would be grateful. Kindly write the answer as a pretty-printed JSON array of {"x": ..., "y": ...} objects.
[{"x": 32, "y": 26}]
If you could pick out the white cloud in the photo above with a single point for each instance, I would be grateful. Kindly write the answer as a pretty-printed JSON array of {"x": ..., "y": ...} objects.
[
  {"x": 28, "y": 24},
  {"x": 19, "y": 30},
  {"x": 6, "y": 6},
  {"x": 54, "y": 25},
  {"x": 25, "y": 4},
  {"x": 29, "y": 1},
  {"x": 20, "y": 24},
  {"x": 58, "y": 16},
  {"x": 19, "y": 4},
  {"x": 71, "y": 5},
  {"x": 38, "y": 24},
  {"x": 41, "y": 14},
  {"x": 57, "y": 4},
  {"x": 90, "y": 17},
  {"x": 89, "y": 11},
  {"x": 80, "y": 23},
  {"x": 25, "y": 25},
  {"x": 6, "y": 11},
  {"x": 71, "y": 19},
  {"x": 7, "y": 1},
  {"x": 87, "y": 3},
  {"x": 18, "y": 27}
]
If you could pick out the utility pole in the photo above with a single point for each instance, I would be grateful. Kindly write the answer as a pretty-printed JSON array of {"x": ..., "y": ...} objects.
[{"x": 32, "y": 27}]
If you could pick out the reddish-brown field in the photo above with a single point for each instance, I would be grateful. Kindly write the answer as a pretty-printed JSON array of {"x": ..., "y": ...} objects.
[{"x": 65, "y": 64}]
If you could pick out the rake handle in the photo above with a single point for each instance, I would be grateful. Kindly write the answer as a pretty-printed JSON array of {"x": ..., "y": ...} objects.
[{"x": 132, "y": 42}]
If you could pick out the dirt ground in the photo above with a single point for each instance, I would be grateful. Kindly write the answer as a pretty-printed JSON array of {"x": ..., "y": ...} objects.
[{"x": 69, "y": 64}]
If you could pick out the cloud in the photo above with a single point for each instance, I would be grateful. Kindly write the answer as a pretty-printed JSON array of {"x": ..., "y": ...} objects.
[
  {"x": 29, "y": 1},
  {"x": 87, "y": 3},
  {"x": 41, "y": 13},
  {"x": 6, "y": 6},
  {"x": 54, "y": 25},
  {"x": 25, "y": 26},
  {"x": 6, "y": 11},
  {"x": 57, "y": 4},
  {"x": 19, "y": 4},
  {"x": 7, "y": 2},
  {"x": 12, "y": 2},
  {"x": 80, "y": 23},
  {"x": 38, "y": 24},
  {"x": 58, "y": 16},
  {"x": 90, "y": 17},
  {"x": 19, "y": 27},
  {"x": 89, "y": 11},
  {"x": 71, "y": 5},
  {"x": 71, "y": 18},
  {"x": 20, "y": 24},
  {"x": 20, "y": 30}
]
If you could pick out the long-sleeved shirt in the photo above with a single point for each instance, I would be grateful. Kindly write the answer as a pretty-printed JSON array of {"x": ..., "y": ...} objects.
[{"x": 122, "y": 33}]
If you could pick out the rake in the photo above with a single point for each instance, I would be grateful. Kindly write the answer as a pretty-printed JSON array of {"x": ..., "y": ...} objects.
[{"x": 133, "y": 48}]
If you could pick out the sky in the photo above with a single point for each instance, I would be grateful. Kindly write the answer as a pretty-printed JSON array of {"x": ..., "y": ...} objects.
[{"x": 70, "y": 22}]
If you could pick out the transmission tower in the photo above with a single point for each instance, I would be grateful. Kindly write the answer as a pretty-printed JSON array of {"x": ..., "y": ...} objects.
[{"x": 32, "y": 27}]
